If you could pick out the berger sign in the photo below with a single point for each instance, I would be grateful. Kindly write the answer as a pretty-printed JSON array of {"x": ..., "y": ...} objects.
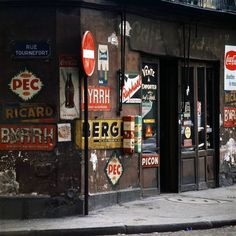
[
  {"x": 27, "y": 137},
  {"x": 103, "y": 134},
  {"x": 150, "y": 160}
]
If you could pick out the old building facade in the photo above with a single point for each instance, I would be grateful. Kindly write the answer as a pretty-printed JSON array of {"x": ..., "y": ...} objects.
[{"x": 160, "y": 102}]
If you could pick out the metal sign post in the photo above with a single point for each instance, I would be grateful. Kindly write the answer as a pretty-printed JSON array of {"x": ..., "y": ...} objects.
[{"x": 89, "y": 60}]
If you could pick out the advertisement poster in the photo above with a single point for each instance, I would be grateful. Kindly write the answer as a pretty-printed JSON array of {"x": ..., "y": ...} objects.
[
  {"x": 27, "y": 137},
  {"x": 230, "y": 98},
  {"x": 131, "y": 92},
  {"x": 229, "y": 117},
  {"x": 64, "y": 132},
  {"x": 99, "y": 98},
  {"x": 103, "y": 134},
  {"x": 103, "y": 64},
  {"x": 69, "y": 87},
  {"x": 149, "y": 106},
  {"x": 230, "y": 68}
]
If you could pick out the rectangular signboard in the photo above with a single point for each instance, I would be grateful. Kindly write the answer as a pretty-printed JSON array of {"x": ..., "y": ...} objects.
[
  {"x": 229, "y": 117},
  {"x": 99, "y": 98},
  {"x": 230, "y": 68},
  {"x": 103, "y": 134},
  {"x": 150, "y": 160},
  {"x": 28, "y": 112},
  {"x": 27, "y": 137},
  {"x": 31, "y": 49}
]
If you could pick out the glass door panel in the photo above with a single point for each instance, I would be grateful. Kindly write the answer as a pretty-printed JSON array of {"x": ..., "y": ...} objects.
[{"x": 187, "y": 116}]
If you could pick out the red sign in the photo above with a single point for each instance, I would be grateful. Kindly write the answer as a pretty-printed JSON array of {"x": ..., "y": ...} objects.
[
  {"x": 88, "y": 53},
  {"x": 114, "y": 169},
  {"x": 27, "y": 137},
  {"x": 150, "y": 160},
  {"x": 230, "y": 60},
  {"x": 25, "y": 85},
  {"x": 229, "y": 117},
  {"x": 99, "y": 98}
]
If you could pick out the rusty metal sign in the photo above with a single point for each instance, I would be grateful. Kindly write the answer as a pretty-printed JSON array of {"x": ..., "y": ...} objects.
[
  {"x": 229, "y": 117},
  {"x": 114, "y": 169},
  {"x": 103, "y": 134},
  {"x": 150, "y": 160},
  {"x": 27, "y": 137},
  {"x": 230, "y": 98},
  {"x": 28, "y": 112}
]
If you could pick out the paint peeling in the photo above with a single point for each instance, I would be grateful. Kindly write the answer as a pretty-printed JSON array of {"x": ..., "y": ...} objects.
[
  {"x": 94, "y": 160},
  {"x": 228, "y": 152},
  {"x": 8, "y": 183}
]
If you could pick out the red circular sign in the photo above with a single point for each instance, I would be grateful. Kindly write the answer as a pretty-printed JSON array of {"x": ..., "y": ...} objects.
[{"x": 88, "y": 53}]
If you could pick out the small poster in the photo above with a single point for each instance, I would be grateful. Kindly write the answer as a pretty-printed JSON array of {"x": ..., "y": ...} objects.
[
  {"x": 64, "y": 132},
  {"x": 69, "y": 87},
  {"x": 230, "y": 68},
  {"x": 103, "y": 64},
  {"x": 131, "y": 92}
]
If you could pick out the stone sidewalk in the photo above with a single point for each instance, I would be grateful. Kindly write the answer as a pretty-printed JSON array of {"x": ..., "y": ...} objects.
[{"x": 166, "y": 212}]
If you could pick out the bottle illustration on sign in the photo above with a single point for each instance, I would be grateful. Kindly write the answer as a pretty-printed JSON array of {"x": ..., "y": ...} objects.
[{"x": 69, "y": 92}]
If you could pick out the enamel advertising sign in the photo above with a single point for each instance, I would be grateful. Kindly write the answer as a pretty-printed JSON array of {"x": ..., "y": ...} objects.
[
  {"x": 26, "y": 85},
  {"x": 114, "y": 169},
  {"x": 229, "y": 117},
  {"x": 131, "y": 92},
  {"x": 150, "y": 160},
  {"x": 27, "y": 137},
  {"x": 103, "y": 134},
  {"x": 230, "y": 67},
  {"x": 99, "y": 98}
]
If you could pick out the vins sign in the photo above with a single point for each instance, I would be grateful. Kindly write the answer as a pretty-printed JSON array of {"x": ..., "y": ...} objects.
[{"x": 229, "y": 117}]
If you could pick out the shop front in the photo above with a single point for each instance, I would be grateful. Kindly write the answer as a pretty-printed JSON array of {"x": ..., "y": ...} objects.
[{"x": 153, "y": 103}]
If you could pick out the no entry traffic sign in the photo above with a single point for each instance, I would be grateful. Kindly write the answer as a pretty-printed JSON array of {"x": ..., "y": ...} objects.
[{"x": 88, "y": 53}]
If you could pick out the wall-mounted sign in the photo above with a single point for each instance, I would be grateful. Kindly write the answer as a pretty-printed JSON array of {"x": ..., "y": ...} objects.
[
  {"x": 103, "y": 134},
  {"x": 88, "y": 53},
  {"x": 99, "y": 98},
  {"x": 230, "y": 98},
  {"x": 150, "y": 160},
  {"x": 69, "y": 87},
  {"x": 28, "y": 112},
  {"x": 230, "y": 67},
  {"x": 31, "y": 49},
  {"x": 131, "y": 92},
  {"x": 149, "y": 105},
  {"x": 103, "y": 64},
  {"x": 27, "y": 137},
  {"x": 64, "y": 132},
  {"x": 114, "y": 169},
  {"x": 25, "y": 85},
  {"x": 229, "y": 117}
]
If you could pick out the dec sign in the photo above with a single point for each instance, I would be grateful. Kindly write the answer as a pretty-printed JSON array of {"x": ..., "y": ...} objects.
[{"x": 88, "y": 53}]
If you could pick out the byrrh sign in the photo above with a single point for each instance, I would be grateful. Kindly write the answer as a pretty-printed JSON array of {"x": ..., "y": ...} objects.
[{"x": 27, "y": 137}]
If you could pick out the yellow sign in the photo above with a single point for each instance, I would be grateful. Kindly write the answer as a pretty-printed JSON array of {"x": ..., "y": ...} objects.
[
  {"x": 102, "y": 134},
  {"x": 187, "y": 132}
]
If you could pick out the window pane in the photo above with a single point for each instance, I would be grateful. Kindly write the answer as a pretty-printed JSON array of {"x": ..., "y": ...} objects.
[{"x": 187, "y": 116}]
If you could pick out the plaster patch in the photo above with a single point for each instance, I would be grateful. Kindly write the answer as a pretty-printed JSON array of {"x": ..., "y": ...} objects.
[
  {"x": 94, "y": 160},
  {"x": 228, "y": 151}
]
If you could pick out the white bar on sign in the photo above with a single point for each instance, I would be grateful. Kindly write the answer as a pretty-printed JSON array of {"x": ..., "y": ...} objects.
[{"x": 89, "y": 54}]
